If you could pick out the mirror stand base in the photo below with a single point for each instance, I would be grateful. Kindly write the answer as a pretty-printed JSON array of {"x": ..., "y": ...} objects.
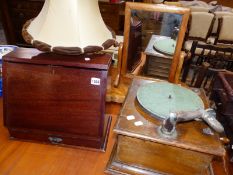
[{"x": 117, "y": 94}]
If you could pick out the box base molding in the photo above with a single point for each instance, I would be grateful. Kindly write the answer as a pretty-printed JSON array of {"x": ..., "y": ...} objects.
[{"x": 63, "y": 139}]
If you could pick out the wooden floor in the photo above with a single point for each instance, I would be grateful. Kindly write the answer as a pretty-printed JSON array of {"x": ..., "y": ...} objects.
[{"x": 26, "y": 158}]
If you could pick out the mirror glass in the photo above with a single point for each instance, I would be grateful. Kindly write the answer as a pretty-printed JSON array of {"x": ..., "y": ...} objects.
[{"x": 152, "y": 42}]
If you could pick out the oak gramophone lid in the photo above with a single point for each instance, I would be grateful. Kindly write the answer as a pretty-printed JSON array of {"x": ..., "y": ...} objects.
[{"x": 162, "y": 98}]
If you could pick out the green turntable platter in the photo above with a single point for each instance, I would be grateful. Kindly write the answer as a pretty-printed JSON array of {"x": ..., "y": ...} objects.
[
  {"x": 165, "y": 45},
  {"x": 162, "y": 98}
]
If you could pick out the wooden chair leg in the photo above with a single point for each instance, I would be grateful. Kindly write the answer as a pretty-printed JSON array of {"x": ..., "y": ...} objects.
[
  {"x": 186, "y": 65},
  {"x": 201, "y": 74}
]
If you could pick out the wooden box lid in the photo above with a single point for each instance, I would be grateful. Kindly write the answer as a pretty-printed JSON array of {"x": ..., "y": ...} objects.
[{"x": 34, "y": 56}]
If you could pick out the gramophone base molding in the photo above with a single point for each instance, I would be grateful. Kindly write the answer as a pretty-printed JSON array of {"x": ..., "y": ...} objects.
[
  {"x": 55, "y": 98},
  {"x": 134, "y": 156}
]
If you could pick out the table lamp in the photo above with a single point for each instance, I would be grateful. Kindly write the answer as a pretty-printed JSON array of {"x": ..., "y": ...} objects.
[{"x": 69, "y": 27}]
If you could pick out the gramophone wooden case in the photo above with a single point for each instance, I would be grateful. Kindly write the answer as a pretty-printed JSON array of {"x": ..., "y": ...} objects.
[
  {"x": 55, "y": 98},
  {"x": 141, "y": 150}
]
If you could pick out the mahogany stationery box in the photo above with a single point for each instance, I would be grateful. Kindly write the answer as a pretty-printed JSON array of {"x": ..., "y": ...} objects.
[{"x": 55, "y": 98}]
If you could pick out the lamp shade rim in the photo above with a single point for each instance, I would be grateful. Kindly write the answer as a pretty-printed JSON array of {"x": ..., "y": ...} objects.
[{"x": 71, "y": 50}]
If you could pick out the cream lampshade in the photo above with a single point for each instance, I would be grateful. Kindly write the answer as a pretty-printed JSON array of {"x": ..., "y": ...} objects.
[{"x": 69, "y": 27}]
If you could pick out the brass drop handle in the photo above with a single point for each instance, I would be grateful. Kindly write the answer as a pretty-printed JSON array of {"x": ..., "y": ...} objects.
[{"x": 55, "y": 140}]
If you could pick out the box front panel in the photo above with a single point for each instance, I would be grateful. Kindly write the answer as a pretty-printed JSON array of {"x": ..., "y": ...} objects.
[{"x": 59, "y": 99}]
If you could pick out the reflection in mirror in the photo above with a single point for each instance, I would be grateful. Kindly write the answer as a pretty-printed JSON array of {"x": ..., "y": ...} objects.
[{"x": 152, "y": 42}]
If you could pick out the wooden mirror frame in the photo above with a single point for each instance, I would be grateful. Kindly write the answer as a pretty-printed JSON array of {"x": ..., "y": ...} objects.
[{"x": 185, "y": 12}]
